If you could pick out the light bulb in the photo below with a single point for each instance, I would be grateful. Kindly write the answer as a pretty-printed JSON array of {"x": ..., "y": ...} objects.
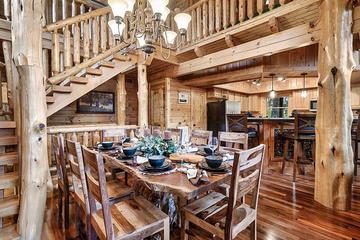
[
  {"x": 272, "y": 94},
  {"x": 170, "y": 36},
  {"x": 165, "y": 14},
  {"x": 141, "y": 41},
  {"x": 158, "y": 6},
  {"x": 118, "y": 7},
  {"x": 303, "y": 93},
  {"x": 130, "y": 4},
  {"x": 182, "y": 20},
  {"x": 116, "y": 28}
]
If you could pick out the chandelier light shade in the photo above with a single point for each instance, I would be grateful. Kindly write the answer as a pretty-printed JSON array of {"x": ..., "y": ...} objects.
[
  {"x": 182, "y": 20},
  {"x": 130, "y": 5},
  {"x": 118, "y": 7},
  {"x": 116, "y": 28},
  {"x": 304, "y": 92},
  {"x": 158, "y": 6},
  {"x": 141, "y": 41},
  {"x": 165, "y": 14},
  {"x": 170, "y": 36},
  {"x": 272, "y": 92}
]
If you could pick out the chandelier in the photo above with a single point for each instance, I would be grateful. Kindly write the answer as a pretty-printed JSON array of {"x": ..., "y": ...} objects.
[{"x": 146, "y": 25}]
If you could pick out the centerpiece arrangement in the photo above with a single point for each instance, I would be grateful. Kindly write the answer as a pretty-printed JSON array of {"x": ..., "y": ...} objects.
[{"x": 156, "y": 149}]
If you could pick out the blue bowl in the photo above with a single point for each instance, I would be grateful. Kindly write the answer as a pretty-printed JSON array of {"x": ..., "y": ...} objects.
[
  {"x": 156, "y": 161},
  {"x": 208, "y": 150},
  {"x": 214, "y": 161},
  {"x": 107, "y": 145},
  {"x": 130, "y": 151}
]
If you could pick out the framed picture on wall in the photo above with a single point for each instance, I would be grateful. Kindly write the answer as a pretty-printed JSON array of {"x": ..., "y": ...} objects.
[
  {"x": 96, "y": 102},
  {"x": 184, "y": 97}
]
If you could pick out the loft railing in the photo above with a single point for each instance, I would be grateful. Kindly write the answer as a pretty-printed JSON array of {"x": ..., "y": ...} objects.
[{"x": 213, "y": 16}]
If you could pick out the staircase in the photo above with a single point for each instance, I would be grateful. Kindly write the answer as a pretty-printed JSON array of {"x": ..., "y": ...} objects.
[
  {"x": 9, "y": 180},
  {"x": 84, "y": 55}
]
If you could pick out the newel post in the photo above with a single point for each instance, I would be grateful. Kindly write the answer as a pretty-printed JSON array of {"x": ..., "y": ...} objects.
[
  {"x": 334, "y": 155},
  {"x": 26, "y": 34}
]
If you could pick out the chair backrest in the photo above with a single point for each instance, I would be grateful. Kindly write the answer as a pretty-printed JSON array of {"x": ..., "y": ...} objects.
[
  {"x": 200, "y": 137},
  {"x": 304, "y": 124},
  {"x": 237, "y": 123},
  {"x": 96, "y": 181},
  {"x": 75, "y": 158},
  {"x": 245, "y": 178},
  {"x": 234, "y": 139},
  {"x": 176, "y": 134},
  {"x": 59, "y": 153}
]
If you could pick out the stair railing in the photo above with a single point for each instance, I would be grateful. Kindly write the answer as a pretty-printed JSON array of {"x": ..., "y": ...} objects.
[{"x": 213, "y": 16}]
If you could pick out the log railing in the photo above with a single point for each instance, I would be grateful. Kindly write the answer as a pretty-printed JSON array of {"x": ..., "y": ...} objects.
[
  {"x": 88, "y": 135},
  {"x": 213, "y": 16}
]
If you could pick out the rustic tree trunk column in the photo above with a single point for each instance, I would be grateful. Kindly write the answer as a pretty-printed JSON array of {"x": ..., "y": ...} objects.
[
  {"x": 143, "y": 94},
  {"x": 120, "y": 100},
  {"x": 27, "y": 52},
  {"x": 334, "y": 155}
]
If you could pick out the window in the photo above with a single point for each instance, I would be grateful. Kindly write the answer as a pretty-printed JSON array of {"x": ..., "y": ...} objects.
[{"x": 277, "y": 107}]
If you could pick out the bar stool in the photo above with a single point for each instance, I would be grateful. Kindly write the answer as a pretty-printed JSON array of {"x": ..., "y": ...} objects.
[
  {"x": 304, "y": 132},
  {"x": 355, "y": 135},
  {"x": 239, "y": 123}
]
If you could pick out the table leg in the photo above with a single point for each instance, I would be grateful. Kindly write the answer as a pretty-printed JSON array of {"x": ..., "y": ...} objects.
[{"x": 296, "y": 149}]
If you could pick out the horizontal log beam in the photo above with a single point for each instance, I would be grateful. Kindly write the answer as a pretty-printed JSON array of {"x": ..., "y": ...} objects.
[
  {"x": 293, "y": 38},
  {"x": 87, "y": 128}
]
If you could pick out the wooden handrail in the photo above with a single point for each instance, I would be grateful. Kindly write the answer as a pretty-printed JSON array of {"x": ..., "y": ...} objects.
[
  {"x": 76, "y": 69},
  {"x": 68, "y": 21},
  {"x": 194, "y": 6},
  {"x": 87, "y": 128}
]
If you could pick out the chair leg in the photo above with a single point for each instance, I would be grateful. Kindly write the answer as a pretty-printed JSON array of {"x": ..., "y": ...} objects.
[
  {"x": 66, "y": 212},
  {"x": 60, "y": 210},
  {"x": 184, "y": 227},
  {"x": 356, "y": 157},
  {"x": 296, "y": 149},
  {"x": 253, "y": 230},
  {"x": 165, "y": 233},
  {"x": 285, "y": 153}
]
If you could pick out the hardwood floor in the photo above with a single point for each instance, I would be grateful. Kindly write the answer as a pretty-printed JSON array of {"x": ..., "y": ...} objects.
[{"x": 287, "y": 211}]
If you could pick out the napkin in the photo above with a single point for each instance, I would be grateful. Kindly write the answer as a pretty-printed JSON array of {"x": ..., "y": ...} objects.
[
  {"x": 192, "y": 149},
  {"x": 201, "y": 176},
  {"x": 140, "y": 160}
]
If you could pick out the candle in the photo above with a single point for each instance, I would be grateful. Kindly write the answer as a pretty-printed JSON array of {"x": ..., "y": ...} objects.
[
  {"x": 147, "y": 132},
  {"x": 167, "y": 135}
]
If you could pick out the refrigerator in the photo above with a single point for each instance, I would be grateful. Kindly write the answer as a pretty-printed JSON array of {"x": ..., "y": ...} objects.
[{"x": 216, "y": 115}]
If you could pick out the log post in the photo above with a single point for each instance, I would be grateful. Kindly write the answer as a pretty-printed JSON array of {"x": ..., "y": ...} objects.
[
  {"x": 120, "y": 100},
  {"x": 334, "y": 155},
  {"x": 27, "y": 55},
  {"x": 143, "y": 93}
]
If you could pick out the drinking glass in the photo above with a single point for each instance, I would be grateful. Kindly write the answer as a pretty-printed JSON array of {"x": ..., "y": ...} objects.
[{"x": 213, "y": 144}]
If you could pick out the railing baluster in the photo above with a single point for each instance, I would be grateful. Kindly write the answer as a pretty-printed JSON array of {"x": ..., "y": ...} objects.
[
  {"x": 95, "y": 36},
  {"x": 67, "y": 48},
  {"x": 55, "y": 54},
  {"x": 233, "y": 14},
  {"x": 86, "y": 139},
  {"x": 82, "y": 11},
  {"x": 260, "y": 4},
  {"x": 103, "y": 35},
  {"x": 251, "y": 8},
  {"x": 198, "y": 23},
  {"x": 7, "y": 10},
  {"x": 205, "y": 14},
  {"x": 218, "y": 15},
  {"x": 225, "y": 12},
  {"x": 111, "y": 39},
  {"x": 272, "y": 3},
  {"x": 86, "y": 41},
  {"x": 282, "y": 2},
  {"x": 242, "y": 10},
  {"x": 193, "y": 24},
  {"x": 76, "y": 44},
  {"x": 211, "y": 16}
]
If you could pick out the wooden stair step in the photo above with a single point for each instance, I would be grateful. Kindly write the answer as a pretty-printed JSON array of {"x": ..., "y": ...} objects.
[
  {"x": 79, "y": 80},
  {"x": 50, "y": 99},
  {"x": 9, "y": 180},
  {"x": 94, "y": 71},
  {"x": 9, "y": 233},
  {"x": 120, "y": 57},
  {"x": 9, "y": 206},
  {"x": 8, "y": 158},
  {"x": 107, "y": 64},
  {"x": 8, "y": 141},
  {"x": 61, "y": 89},
  {"x": 7, "y": 124}
]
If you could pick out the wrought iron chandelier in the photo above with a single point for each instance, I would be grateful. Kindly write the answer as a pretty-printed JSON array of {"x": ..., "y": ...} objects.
[{"x": 146, "y": 24}]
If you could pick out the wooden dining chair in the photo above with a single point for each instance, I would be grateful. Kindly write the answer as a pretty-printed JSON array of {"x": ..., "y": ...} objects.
[
  {"x": 200, "y": 137},
  {"x": 64, "y": 180},
  {"x": 225, "y": 217},
  {"x": 239, "y": 123},
  {"x": 131, "y": 218},
  {"x": 176, "y": 134},
  {"x": 233, "y": 140},
  {"x": 355, "y": 135}
]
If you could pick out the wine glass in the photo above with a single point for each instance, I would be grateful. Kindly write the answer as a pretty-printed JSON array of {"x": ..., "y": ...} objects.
[{"x": 213, "y": 144}]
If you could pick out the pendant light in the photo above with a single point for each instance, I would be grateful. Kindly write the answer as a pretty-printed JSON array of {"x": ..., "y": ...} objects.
[
  {"x": 272, "y": 93},
  {"x": 304, "y": 92}
]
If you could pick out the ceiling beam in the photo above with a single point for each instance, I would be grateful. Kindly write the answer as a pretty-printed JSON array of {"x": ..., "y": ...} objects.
[{"x": 293, "y": 38}]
